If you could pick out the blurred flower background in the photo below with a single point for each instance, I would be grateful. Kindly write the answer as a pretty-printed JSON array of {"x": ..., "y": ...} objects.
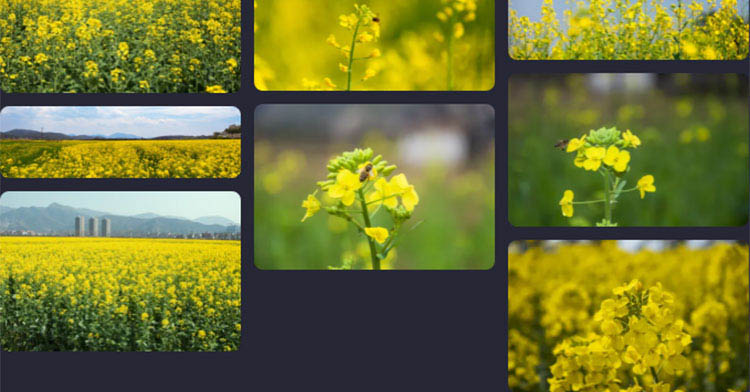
[
  {"x": 416, "y": 38},
  {"x": 694, "y": 129},
  {"x": 447, "y": 152}
]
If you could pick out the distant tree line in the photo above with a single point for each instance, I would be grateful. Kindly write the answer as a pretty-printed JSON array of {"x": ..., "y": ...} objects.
[{"x": 231, "y": 132}]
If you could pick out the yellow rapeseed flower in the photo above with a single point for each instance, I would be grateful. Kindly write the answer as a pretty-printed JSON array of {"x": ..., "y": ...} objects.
[
  {"x": 346, "y": 184},
  {"x": 646, "y": 184},
  {"x": 379, "y": 234},
  {"x": 215, "y": 89},
  {"x": 630, "y": 139},
  {"x": 409, "y": 197},
  {"x": 566, "y": 203},
  {"x": 312, "y": 204},
  {"x": 575, "y": 144},
  {"x": 617, "y": 159},
  {"x": 594, "y": 157}
]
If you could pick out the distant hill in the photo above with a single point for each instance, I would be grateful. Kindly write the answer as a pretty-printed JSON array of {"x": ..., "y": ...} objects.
[
  {"x": 60, "y": 219},
  {"x": 119, "y": 135},
  {"x": 147, "y": 215},
  {"x": 151, "y": 215},
  {"x": 29, "y": 134},
  {"x": 37, "y": 135},
  {"x": 215, "y": 220}
]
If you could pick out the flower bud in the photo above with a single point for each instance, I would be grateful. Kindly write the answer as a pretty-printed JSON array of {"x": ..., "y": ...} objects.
[
  {"x": 400, "y": 214},
  {"x": 388, "y": 170}
]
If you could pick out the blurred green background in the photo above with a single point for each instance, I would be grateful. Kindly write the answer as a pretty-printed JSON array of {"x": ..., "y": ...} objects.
[
  {"x": 694, "y": 130},
  {"x": 446, "y": 152}
]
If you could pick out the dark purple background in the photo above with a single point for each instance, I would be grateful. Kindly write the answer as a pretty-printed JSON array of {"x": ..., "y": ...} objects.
[{"x": 336, "y": 330}]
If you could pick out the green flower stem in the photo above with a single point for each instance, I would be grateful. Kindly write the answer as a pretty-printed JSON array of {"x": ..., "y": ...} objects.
[
  {"x": 385, "y": 198},
  {"x": 589, "y": 202},
  {"x": 450, "y": 54},
  {"x": 366, "y": 217},
  {"x": 653, "y": 373},
  {"x": 351, "y": 57},
  {"x": 607, "y": 199},
  {"x": 354, "y": 221},
  {"x": 388, "y": 245}
]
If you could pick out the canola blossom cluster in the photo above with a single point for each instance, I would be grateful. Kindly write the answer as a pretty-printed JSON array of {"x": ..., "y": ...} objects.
[
  {"x": 107, "y": 294},
  {"x": 120, "y": 159},
  {"x": 679, "y": 323},
  {"x": 364, "y": 27},
  {"x": 605, "y": 150},
  {"x": 91, "y": 46},
  {"x": 632, "y": 30},
  {"x": 358, "y": 186}
]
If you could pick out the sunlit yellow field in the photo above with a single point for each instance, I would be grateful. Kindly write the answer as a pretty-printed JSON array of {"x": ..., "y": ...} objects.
[
  {"x": 632, "y": 30},
  {"x": 594, "y": 317},
  {"x": 120, "y": 45},
  {"x": 120, "y": 158},
  {"x": 111, "y": 294}
]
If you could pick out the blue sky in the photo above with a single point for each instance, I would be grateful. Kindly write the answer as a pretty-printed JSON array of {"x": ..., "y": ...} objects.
[
  {"x": 190, "y": 205},
  {"x": 532, "y": 8},
  {"x": 143, "y": 121}
]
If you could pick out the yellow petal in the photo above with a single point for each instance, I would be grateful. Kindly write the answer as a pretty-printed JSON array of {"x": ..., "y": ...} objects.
[
  {"x": 379, "y": 234},
  {"x": 410, "y": 199},
  {"x": 348, "y": 198},
  {"x": 400, "y": 182}
]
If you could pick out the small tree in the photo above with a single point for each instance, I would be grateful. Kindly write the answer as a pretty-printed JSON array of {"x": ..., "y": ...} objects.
[{"x": 234, "y": 128}]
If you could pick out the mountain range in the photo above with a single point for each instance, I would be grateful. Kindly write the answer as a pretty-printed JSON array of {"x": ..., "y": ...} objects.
[
  {"x": 60, "y": 219},
  {"x": 29, "y": 134}
]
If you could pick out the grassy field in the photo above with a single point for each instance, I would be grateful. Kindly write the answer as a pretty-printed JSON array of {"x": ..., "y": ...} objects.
[
  {"x": 695, "y": 144},
  {"x": 119, "y": 294},
  {"x": 120, "y": 158},
  {"x": 456, "y": 207}
]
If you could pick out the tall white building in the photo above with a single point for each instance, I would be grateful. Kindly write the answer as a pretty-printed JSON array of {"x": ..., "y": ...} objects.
[
  {"x": 93, "y": 227},
  {"x": 79, "y": 227},
  {"x": 106, "y": 227}
]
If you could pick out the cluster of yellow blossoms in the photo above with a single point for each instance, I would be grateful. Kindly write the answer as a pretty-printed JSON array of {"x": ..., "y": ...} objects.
[
  {"x": 365, "y": 27},
  {"x": 116, "y": 294},
  {"x": 639, "y": 335},
  {"x": 633, "y": 30},
  {"x": 207, "y": 158},
  {"x": 120, "y": 46},
  {"x": 359, "y": 176},
  {"x": 605, "y": 150},
  {"x": 679, "y": 325},
  {"x": 453, "y": 15}
]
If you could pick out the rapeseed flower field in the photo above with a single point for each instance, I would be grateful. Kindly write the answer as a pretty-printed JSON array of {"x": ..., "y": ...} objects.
[
  {"x": 120, "y": 159},
  {"x": 374, "y": 45},
  {"x": 119, "y": 294},
  {"x": 632, "y": 30},
  {"x": 95, "y": 46},
  {"x": 594, "y": 317}
]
